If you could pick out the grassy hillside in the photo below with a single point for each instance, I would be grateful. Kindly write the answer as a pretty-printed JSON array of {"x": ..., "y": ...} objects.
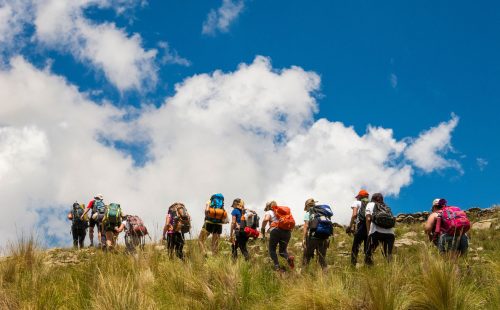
[{"x": 417, "y": 279}]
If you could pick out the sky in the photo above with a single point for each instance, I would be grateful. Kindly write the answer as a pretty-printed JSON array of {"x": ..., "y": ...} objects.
[{"x": 152, "y": 102}]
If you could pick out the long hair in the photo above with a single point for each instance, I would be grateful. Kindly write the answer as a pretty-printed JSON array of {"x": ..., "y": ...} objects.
[{"x": 378, "y": 198}]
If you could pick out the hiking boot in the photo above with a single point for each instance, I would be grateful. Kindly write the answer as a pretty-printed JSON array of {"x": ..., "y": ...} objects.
[{"x": 291, "y": 261}]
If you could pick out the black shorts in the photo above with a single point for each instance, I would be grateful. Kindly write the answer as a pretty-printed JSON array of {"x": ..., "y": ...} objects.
[
  {"x": 213, "y": 228},
  {"x": 93, "y": 223}
]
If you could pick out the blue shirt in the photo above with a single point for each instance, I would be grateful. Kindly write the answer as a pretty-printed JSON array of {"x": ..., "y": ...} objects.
[{"x": 237, "y": 212}]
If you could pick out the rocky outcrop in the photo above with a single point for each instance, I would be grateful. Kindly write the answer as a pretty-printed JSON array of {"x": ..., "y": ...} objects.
[{"x": 420, "y": 217}]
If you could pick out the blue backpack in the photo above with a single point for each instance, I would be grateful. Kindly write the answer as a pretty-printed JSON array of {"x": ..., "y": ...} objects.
[
  {"x": 217, "y": 201},
  {"x": 99, "y": 206},
  {"x": 320, "y": 224}
]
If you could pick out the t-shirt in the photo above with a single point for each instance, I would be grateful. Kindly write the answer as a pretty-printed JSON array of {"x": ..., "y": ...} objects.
[
  {"x": 307, "y": 216},
  {"x": 127, "y": 225},
  {"x": 237, "y": 212},
  {"x": 373, "y": 226}
]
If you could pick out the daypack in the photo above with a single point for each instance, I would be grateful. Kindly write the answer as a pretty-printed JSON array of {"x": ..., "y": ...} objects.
[
  {"x": 361, "y": 217},
  {"x": 320, "y": 223},
  {"x": 77, "y": 212},
  {"x": 137, "y": 227},
  {"x": 452, "y": 221},
  {"x": 216, "y": 212},
  {"x": 382, "y": 216},
  {"x": 250, "y": 218},
  {"x": 99, "y": 207},
  {"x": 182, "y": 219},
  {"x": 285, "y": 218},
  {"x": 113, "y": 214}
]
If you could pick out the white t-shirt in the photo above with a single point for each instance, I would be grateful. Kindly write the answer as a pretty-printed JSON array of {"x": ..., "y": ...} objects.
[
  {"x": 127, "y": 225},
  {"x": 356, "y": 204},
  {"x": 273, "y": 218},
  {"x": 373, "y": 226}
]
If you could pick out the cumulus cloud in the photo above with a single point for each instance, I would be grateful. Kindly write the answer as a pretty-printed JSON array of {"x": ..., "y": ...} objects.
[
  {"x": 13, "y": 15},
  {"x": 222, "y": 18},
  {"x": 249, "y": 133},
  {"x": 428, "y": 150},
  {"x": 171, "y": 56}
]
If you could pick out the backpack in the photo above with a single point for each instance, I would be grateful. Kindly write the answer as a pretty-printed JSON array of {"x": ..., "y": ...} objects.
[
  {"x": 216, "y": 212},
  {"x": 249, "y": 218},
  {"x": 285, "y": 218},
  {"x": 113, "y": 214},
  {"x": 137, "y": 227},
  {"x": 361, "y": 217},
  {"x": 182, "y": 219},
  {"x": 99, "y": 207},
  {"x": 452, "y": 221},
  {"x": 77, "y": 212},
  {"x": 382, "y": 216},
  {"x": 320, "y": 223}
]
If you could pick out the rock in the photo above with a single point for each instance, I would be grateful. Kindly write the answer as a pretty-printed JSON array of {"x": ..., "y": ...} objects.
[
  {"x": 483, "y": 225},
  {"x": 474, "y": 209},
  {"x": 480, "y": 248},
  {"x": 410, "y": 234},
  {"x": 405, "y": 242}
]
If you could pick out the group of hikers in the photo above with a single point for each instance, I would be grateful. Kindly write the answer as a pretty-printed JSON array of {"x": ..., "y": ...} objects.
[{"x": 372, "y": 223}]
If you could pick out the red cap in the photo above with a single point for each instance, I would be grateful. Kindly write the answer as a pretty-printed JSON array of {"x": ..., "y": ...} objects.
[{"x": 362, "y": 193}]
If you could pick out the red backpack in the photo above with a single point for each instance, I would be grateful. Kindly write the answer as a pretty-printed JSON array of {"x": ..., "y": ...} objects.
[
  {"x": 285, "y": 218},
  {"x": 452, "y": 221}
]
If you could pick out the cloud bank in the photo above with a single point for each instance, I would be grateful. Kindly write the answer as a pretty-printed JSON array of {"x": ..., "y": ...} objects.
[{"x": 250, "y": 133}]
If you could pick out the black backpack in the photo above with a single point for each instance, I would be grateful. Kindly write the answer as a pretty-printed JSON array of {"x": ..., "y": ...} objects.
[
  {"x": 382, "y": 216},
  {"x": 361, "y": 217}
]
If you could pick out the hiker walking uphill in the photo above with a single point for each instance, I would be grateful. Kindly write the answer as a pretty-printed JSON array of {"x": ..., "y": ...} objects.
[
  {"x": 239, "y": 221},
  {"x": 79, "y": 224},
  {"x": 177, "y": 223},
  {"x": 380, "y": 225},
  {"x": 215, "y": 217},
  {"x": 110, "y": 223},
  {"x": 135, "y": 232},
  {"x": 96, "y": 207},
  {"x": 358, "y": 225},
  {"x": 317, "y": 230},
  {"x": 447, "y": 227},
  {"x": 281, "y": 223}
]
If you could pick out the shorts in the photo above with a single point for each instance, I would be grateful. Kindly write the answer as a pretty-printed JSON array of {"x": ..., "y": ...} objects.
[
  {"x": 93, "y": 223},
  {"x": 453, "y": 243},
  {"x": 110, "y": 227},
  {"x": 213, "y": 228}
]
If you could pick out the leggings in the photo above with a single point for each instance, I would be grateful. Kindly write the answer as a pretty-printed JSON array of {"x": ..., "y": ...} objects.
[{"x": 278, "y": 237}]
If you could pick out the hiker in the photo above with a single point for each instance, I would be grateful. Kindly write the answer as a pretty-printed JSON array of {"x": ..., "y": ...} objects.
[
  {"x": 78, "y": 225},
  {"x": 177, "y": 223},
  {"x": 357, "y": 225},
  {"x": 111, "y": 221},
  {"x": 135, "y": 232},
  {"x": 238, "y": 236},
  {"x": 215, "y": 217},
  {"x": 96, "y": 207},
  {"x": 380, "y": 226},
  {"x": 317, "y": 230},
  {"x": 447, "y": 227},
  {"x": 281, "y": 223}
]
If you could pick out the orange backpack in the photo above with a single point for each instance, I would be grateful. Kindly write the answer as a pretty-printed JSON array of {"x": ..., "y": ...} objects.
[{"x": 285, "y": 218}]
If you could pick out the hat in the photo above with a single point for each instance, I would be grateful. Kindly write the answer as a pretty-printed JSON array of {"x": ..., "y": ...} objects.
[
  {"x": 309, "y": 203},
  {"x": 442, "y": 202},
  {"x": 98, "y": 196},
  {"x": 362, "y": 193},
  {"x": 435, "y": 202}
]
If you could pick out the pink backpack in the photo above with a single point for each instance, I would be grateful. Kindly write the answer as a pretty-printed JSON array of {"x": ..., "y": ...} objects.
[
  {"x": 137, "y": 226},
  {"x": 452, "y": 221}
]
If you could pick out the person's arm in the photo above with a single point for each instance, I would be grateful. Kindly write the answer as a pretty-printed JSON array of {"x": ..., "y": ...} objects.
[
  {"x": 121, "y": 228},
  {"x": 70, "y": 216},
  {"x": 266, "y": 220},
  {"x": 304, "y": 233},
  {"x": 165, "y": 228},
  {"x": 429, "y": 224},
  {"x": 368, "y": 222},
  {"x": 87, "y": 209},
  {"x": 353, "y": 219},
  {"x": 233, "y": 227}
]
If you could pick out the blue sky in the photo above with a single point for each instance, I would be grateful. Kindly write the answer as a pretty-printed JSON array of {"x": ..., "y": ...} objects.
[{"x": 405, "y": 66}]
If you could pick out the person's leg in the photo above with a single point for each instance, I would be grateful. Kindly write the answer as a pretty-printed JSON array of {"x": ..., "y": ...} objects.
[
  {"x": 309, "y": 251},
  {"x": 359, "y": 237},
  {"x": 234, "y": 246},
  {"x": 180, "y": 245},
  {"x": 283, "y": 242},
  {"x": 464, "y": 245},
  {"x": 170, "y": 244},
  {"x": 91, "y": 233},
  {"x": 273, "y": 244},
  {"x": 109, "y": 239},
  {"x": 242, "y": 244},
  {"x": 74, "y": 233},
  {"x": 372, "y": 245},
  {"x": 82, "y": 235},
  {"x": 215, "y": 243},
  {"x": 202, "y": 238},
  {"x": 322, "y": 247}
]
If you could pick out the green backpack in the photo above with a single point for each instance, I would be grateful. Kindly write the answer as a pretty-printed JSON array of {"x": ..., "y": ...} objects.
[{"x": 113, "y": 214}]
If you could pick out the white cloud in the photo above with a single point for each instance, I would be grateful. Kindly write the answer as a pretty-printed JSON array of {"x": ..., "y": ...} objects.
[
  {"x": 394, "y": 80},
  {"x": 222, "y": 18},
  {"x": 481, "y": 163},
  {"x": 428, "y": 150},
  {"x": 13, "y": 15},
  {"x": 171, "y": 56},
  {"x": 250, "y": 133}
]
